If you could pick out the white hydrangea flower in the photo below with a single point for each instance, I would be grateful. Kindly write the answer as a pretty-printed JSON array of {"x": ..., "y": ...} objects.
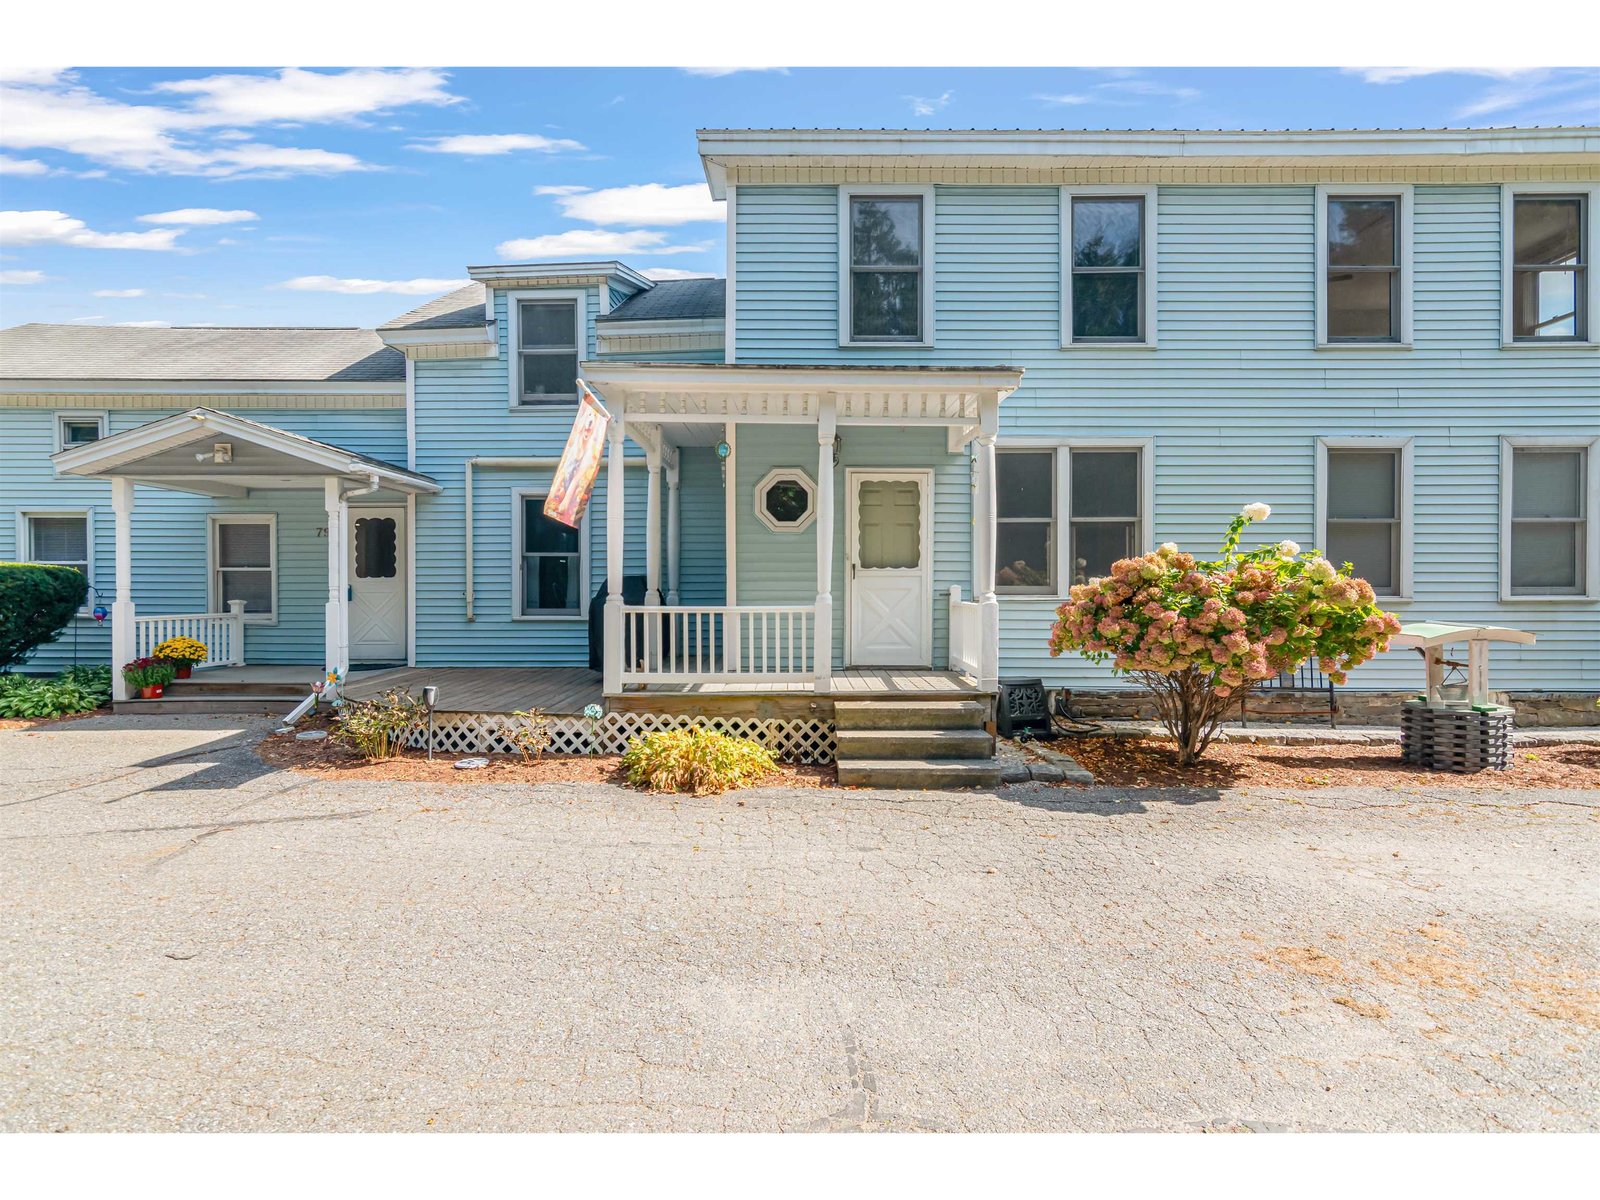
[
  {"x": 1168, "y": 548},
  {"x": 1255, "y": 512},
  {"x": 1288, "y": 549},
  {"x": 1321, "y": 570}
]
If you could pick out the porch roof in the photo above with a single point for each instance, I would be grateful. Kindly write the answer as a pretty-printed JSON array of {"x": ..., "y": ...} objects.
[
  {"x": 162, "y": 454},
  {"x": 720, "y": 393}
]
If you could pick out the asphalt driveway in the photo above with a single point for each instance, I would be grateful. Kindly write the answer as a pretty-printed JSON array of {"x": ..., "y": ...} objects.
[{"x": 190, "y": 940}]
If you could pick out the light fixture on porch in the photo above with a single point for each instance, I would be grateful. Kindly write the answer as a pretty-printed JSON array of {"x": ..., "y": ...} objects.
[
  {"x": 430, "y": 697},
  {"x": 222, "y": 453}
]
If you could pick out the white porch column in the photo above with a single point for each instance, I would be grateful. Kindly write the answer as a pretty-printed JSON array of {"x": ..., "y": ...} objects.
[
  {"x": 983, "y": 532},
  {"x": 615, "y": 487},
  {"x": 122, "y": 639},
  {"x": 652, "y": 526},
  {"x": 827, "y": 426},
  {"x": 674, "y": 528},
  {"x": 335, "y": 620}
]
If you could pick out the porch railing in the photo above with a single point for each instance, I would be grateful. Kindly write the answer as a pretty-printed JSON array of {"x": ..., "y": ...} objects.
[
  {"x": 222, "y": 634},
  {"x": 966, "y": 635},
  {"x": 722, "y": 644}
]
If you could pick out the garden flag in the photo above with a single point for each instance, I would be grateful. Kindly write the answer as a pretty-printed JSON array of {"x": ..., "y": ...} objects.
[{"x": 580, "y": 461}]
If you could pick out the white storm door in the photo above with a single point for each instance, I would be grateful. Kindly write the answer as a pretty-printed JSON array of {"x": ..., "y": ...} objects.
[
  {"x": 887, "y": 571},
  {"x": 377, "y": 584}
]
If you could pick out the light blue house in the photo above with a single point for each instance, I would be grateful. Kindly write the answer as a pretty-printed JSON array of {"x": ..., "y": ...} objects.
[{"x": 947, "y": 375}]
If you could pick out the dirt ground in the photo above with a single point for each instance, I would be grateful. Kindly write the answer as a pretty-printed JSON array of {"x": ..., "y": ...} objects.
[{"x": 1126, "y": 762}]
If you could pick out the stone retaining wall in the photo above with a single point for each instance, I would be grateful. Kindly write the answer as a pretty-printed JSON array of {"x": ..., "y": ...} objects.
[{"x": 1355, "y": 707}]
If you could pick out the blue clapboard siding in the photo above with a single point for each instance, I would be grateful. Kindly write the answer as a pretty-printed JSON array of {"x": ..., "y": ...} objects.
[
  {"x": 1236, "y": 395},
  {"x": 170, "y": 528},
  {"x": 702, "y": 551}
]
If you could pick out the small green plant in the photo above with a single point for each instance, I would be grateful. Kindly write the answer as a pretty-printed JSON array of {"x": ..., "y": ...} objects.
[
  {"x": 698, "y": 761},
  {"x": 79, "y": 689},
  {"x": 37, "y": 601},
  {"x": 378, "y": 728},
  {"x": 530, "y": 735}
]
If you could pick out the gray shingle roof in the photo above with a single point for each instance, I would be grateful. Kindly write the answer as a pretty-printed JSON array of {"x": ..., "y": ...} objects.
[
  {"x": 675, "y": 300},
  {"x": 460, "y": 309},
  {"x": 120, "y": 352}
]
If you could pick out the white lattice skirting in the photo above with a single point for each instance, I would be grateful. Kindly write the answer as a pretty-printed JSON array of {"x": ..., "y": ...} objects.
[{"x": 801, "y": 741}]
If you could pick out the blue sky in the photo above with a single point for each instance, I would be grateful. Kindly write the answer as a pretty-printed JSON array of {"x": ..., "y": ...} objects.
[{"x": 328, "y": 197}]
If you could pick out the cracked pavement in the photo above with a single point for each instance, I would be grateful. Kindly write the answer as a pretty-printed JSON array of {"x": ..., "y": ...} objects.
[{"x": 190, "y": 940}]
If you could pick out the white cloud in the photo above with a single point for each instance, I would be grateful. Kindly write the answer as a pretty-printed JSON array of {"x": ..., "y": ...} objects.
[
  {"x": 31, "y": 75},
  {"x": 16, "y": 278},
  {"x": 201, "y": 134},
  {"x": 42, "y": 226},
  {"x": 1149, "y": 87},
  {"x": 588, "y": 243},
  {"x": 199, "y": 216},
  {"x": 560, "y": 189},
  {"x": 663, "y": 273},
  {"x": 145, "y": 324},
  {"x": 494, "y": 143},
  {"x": 926, "y": 106},
  {"x": 85, "y": 320},
  {"x": 719, "y": 72},
  {"x": 119, "y": 293},
  {"x": 22, "y": 166},
  {"x": 642, "y": 204},
  {"x": 371, "y": 287},
  {"x": 1063, "y": 98},
  {"x": 1402, "y": 74}
]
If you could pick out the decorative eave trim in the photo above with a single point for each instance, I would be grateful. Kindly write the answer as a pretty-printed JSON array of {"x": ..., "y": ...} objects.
[
  {"x": 611, "y": 328},
  {"x": 503, "y": 275},
  {"x": 476, "y": 341},
  {"x": 192, "y": 387},
  {"x": 118, "y": 399},
  {"x": 660, "y": 343}
]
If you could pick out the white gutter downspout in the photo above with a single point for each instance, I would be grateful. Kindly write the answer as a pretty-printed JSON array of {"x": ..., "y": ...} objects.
[{"x": 483, "y": 461}]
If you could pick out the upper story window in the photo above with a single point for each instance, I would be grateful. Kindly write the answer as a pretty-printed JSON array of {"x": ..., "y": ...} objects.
[
  {"x": 885, "y": 253},
  {"x": 79, "y": 429},
  {"x": 548, "y": 339},
  {"x": 1108, "y": 280},
  {"x": 1363, "y": 259},
  {"x": 1549, "y": 267}
]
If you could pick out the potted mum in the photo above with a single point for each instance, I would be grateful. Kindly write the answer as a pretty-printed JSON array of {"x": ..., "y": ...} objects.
[
  {"x": 1200, "y": 635},
  {"x": 149, "y": 676},
  {"x": 183, "y": 653}
]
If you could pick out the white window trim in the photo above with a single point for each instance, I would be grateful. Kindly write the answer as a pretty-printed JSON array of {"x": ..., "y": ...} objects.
[
  {"x": 518, "y": 495},
  {"x": 849, "y": 191},
  {"x": 76, "y": 414},
  {"x": 778, "y": 474},
  {"x": 1401, "y": 191},
  {"x": 25, "y": 543},
  {"x": 1508, "y": 194},
  {"x": 514, "y": 339},
  {"x": 1149, "y": 251},
  {"x": 213, "y": 599},
  {"x": 1591, "y": 488},
  {"x": 1404, "y": 501},
  {"x": 1063, "y": 498}
]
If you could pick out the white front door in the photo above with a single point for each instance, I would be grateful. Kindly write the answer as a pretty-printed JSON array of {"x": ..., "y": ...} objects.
[
  {"x": 888, "y": 573},
  {"x": 377, "y": 585}
]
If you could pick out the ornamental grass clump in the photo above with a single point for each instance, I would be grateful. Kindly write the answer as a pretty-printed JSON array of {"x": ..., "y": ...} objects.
[
  {"x": 378, "y": 728},
  {"x": 697, "y": 761},
  {"x": 1201, "y": 635}
]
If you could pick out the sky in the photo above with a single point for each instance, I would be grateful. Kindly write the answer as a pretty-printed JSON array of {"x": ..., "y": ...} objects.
[{"x": 346, "y": 197}]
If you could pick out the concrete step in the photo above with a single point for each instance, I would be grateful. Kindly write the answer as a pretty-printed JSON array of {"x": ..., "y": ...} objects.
[
  {"x": 919, "y": 773},
  {"x": 909, "y": 714},
  {"x": 198, "y": 685},
  {"x": 214, "y": 705},
  {"x": 915, "y": 743}
]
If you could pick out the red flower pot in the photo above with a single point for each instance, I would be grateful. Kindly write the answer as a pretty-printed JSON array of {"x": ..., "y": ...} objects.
[
  {"x": 184, "y": 672},
  {"x": 151, "y": 691}
]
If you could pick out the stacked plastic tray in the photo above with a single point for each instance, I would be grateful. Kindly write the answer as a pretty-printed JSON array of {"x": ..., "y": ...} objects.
[{"x": 1464, "y": 740}]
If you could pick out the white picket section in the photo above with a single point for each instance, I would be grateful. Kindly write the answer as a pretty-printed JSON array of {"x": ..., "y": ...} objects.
[
  {"x": 966, "y": 635},
  {"x": 222, "y": 634},
  {"x": 718, "y": 644}
]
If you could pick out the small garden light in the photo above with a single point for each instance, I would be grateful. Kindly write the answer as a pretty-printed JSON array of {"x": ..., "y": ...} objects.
[{"x": 430, "y": 696}]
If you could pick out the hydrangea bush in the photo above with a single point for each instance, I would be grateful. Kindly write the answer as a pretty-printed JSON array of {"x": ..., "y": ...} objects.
[{"x": 1200, "y": 635}]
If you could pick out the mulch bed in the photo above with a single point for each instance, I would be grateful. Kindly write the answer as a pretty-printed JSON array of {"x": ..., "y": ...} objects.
[
  {"x": 329, "y": 759},
  {"x": 1125, "y": 762},
  {"x": 11, "y": 724}
]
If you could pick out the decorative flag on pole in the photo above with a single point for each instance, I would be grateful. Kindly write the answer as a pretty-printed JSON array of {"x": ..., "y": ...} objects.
[{"x": 580, "y": 461}]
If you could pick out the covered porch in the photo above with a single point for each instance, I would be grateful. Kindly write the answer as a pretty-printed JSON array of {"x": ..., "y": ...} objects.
[
  {"x": 912, "y": 451},
  {"x": 235, "y": 460}
]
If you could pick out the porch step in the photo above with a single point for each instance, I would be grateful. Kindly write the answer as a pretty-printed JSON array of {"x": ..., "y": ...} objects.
[
  {"x": 198, "y": 686},
  {"x": 212, "y": 705},
  {"x": 919, "y": 773},
  {"x": 914, "y": 744},
  {"x": 909, "y": 714}
]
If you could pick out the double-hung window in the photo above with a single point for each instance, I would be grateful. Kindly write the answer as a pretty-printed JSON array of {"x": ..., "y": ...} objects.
[
  {"x": 1363, "y": 253},
  {"x": 885, "y": 250},
  {"x": 1364, "y": 506},
  {"x": 1548, "y": 518},
  {"x": 244, "y": 564},
  {"x": 1065, "y": 513},
  {"x": 1109, "y": 293},
  {"x": 550, "y": 563},
  {"x": 547, "y": 346},
  {"x": 1547, "y": 263},
  {"x": 59, "y": 538}
]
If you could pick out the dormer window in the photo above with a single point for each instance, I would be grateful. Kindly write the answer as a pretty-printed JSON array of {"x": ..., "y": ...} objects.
[{"x": 548, "y": 337}]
